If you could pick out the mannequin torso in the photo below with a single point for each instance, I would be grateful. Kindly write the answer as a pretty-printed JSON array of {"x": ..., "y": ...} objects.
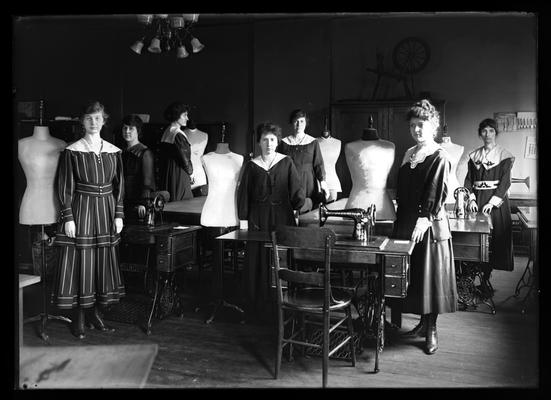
[
  {"x": 455, "y": 151},
  {"x": 198, "y": 140},
  {"x": 369, "y": 162},
  {"x": 39, "y": 156},
  {"x": 330, "y": 150},
  {"x": 222, "y": 170}
]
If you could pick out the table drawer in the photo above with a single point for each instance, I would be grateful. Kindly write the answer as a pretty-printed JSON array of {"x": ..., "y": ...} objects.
[
  {"x": 396, "y": 286},
  {"x": 395, "y": 265}
]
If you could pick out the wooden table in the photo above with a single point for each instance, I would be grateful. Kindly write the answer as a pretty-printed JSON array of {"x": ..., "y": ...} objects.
[
  {"x": 86, "y": 367},
  {"x": 187, "y": 212},
  {"x": 392, "y": 261},
  {"x": 528, "y": 217},
  {"x": 175, "y": 247}
]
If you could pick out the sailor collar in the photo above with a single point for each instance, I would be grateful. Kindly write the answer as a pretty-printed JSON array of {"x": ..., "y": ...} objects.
[
  {"x": 83, "y": 146},
  {"x": 491, "y": 158},
  {"x": 258, "y": 161},
  {"x": 171, "y": 132},
  {"x": 307, "y": 139}
]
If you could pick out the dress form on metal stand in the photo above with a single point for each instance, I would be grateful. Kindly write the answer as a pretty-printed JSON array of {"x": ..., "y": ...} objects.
[
  {"x": 219, "y": 215},
  {"x": 39, "y": 155}
]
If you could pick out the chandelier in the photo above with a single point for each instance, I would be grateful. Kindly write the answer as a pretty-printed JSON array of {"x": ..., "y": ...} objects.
[{"x": 166, "y": 32}]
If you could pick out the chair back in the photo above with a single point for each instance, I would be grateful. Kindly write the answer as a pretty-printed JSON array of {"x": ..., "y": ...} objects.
[{"x": 303, "y": 238}]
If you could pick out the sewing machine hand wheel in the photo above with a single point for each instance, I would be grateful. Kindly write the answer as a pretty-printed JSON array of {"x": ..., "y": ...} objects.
[
  {"x": 322, "y": 211},
  {"x": 466, "y": 192},
  {"x": 158, "y": 203}
]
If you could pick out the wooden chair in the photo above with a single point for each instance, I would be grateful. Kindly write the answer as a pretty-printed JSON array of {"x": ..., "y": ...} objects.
[{"x": 307, "y": 297}]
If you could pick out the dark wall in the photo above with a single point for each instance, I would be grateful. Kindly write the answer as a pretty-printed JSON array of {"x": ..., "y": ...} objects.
[{"x": 480, "y": 63}]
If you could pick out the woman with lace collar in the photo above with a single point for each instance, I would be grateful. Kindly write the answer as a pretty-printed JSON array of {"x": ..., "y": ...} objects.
[
  {"x": 489, "y": 178},
  {"x": 137, "y": 158},
  {"x": 305, "y": 152},
  {"x": 421, "y": 217}
]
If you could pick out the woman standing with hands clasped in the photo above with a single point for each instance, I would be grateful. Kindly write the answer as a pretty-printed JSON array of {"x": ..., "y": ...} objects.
[
  {"x": 90, "y": 186},
  {"x": 489, "y": 178},
  {"x": 305, "y": 152},
  {"x": 421, "y": 217}
]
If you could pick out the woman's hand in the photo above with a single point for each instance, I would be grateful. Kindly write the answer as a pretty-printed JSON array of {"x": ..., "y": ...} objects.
[
  {"x": 70, "y": 229},
  {"x": 472, "y": 206},
  {"x": 118, "y": 225},
  {"x": 487, "y": 208},
  {"x": 421, "y": 227}
]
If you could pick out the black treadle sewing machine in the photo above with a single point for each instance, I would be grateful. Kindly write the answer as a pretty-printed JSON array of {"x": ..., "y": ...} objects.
[
  {"x": 364, "y": 220},
  {"x": 153, "y": 208}
]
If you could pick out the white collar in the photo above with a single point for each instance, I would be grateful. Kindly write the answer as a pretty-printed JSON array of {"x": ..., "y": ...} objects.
[
  {"x": 417, "y": 155},
  {"x": 307, "y": 139},
  {"x": 491, "y": 158},
  {"x": 258, "y": 161},
  {"x": 82, "y": 145}
]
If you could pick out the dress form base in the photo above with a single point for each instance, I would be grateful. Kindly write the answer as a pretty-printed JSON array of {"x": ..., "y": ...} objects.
[
  {"x": 218, "y": 258},
  {"x": 44, "y": 316}
]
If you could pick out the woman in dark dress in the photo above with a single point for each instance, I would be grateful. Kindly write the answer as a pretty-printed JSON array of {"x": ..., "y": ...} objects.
[
  {"x": 175, "y": 154},
  {"x": 137, "y": 159},
  {"x": 421, "y": 217},
  {"x": 305, "y": 152},
  {"x": 268, "y": 194},
  {"x": 90, "y": 185},
  {"x": 489, "y": 178}
]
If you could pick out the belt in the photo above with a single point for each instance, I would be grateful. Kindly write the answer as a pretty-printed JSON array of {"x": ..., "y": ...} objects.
[
  {"x": 485, "y": 185},
  {"x": 94, "y": 190}
]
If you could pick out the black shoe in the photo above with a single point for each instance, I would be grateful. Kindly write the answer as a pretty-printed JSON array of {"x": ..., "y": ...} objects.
[
  {"x": 420, "y": 329},
  {"x": 77, "y": 327},
  {"x": 431, "y": 341},
  {"x": 95, "y": 321}
]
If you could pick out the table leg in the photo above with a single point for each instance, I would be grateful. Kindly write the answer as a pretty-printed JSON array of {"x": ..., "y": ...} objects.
[
  {"x": 148, "y": 326},
  {"x": 380, "y": 315},
  {"x": 218, "y": 286}
]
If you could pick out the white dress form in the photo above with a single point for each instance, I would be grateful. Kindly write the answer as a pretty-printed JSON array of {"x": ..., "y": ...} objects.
[
  {"x": 369, "y": 162},
  {"x": 330, "y": 150},
  {"x": 222, "y": 168},
  {"x": 39, "y": 156},
  {"x": 198, "y": 141},
  {"x": 455, "y": 151}
]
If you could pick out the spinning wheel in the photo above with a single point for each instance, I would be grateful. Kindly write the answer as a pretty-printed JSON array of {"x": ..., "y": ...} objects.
[{"x": 411, "y": 55}]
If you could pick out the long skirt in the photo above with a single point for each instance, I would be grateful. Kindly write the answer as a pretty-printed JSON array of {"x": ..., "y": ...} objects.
[
  {"x": 87, "y": 276},
  {"x": 432, "y": 287}
]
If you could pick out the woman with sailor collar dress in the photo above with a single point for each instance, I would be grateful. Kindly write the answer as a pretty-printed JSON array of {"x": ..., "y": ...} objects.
[{"x": 489, "y": 178}]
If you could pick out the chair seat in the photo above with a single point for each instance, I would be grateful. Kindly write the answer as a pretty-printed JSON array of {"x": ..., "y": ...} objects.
[{"x": 311, "y": 299}]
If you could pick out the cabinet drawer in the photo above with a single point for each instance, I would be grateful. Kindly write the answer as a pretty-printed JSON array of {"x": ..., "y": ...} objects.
[
  {"x": 395, "y": 265},
  {"x": 396, "y": 286},
  {"x": 174, "y": 243},
  {"x": 167, "y": 262}
]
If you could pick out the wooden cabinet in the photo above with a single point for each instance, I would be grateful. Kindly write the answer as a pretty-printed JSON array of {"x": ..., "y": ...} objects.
[{"x": 349, "y": 119}]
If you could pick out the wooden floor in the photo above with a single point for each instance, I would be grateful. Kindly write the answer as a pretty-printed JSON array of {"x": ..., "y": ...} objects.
[{"x": 477, "y": 349}]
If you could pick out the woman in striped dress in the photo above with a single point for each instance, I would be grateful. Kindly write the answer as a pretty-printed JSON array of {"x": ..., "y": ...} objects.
[{"x": 90, "y": 187}]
